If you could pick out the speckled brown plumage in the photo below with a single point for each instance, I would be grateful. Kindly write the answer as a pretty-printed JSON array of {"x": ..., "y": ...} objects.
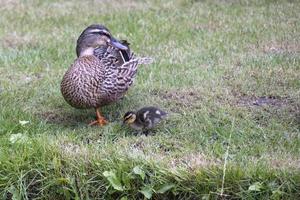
[{"x": 91, "y": 83}]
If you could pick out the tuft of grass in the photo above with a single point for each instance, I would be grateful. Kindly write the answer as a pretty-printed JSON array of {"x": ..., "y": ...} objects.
[{"x": 226, "y": 71}]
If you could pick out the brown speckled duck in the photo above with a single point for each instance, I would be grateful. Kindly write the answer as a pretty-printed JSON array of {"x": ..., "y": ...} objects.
[{"x": 92, "y": 82}]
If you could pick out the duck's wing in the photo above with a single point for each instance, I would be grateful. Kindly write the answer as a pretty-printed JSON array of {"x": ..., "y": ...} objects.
[
  {"x": 122, "y": 56},
  {"x": 126, "y": 74},
  {"x": 117, "y": 79}
]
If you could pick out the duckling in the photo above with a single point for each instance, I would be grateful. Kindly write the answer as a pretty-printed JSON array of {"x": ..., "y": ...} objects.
[
  {"x": 145, "y": 118},
  {"x": 93, "y": 83},
  {"x": 122, "y": 55}
]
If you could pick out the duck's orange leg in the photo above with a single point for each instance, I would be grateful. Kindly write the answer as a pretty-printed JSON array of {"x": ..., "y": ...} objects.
[{"x": 100, "y": 119}]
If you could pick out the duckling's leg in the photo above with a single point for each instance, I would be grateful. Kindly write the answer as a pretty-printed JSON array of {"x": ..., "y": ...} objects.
[{"x": 100, "y": 119}]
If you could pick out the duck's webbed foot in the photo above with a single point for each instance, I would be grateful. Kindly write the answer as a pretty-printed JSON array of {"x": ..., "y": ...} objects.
[{"x": 101, "y": 121}]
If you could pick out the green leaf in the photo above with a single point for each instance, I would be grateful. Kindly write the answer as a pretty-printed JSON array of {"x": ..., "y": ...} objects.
[
  {"x": 165, "y": 188},
  {"x": 257, "y": 186},
  {"x": 138, "y": 170},
  {"x": 147, "y": 192},
  {"x": 113, "y": 180}
]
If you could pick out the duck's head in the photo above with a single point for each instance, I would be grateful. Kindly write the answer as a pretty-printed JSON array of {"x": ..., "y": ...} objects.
[
  {"x": 95, "y": 36},
  {"x": 129, "y": 117}
]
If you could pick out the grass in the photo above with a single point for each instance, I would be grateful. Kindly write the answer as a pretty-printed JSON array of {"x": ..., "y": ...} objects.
[{"x": 227, "y": 71}]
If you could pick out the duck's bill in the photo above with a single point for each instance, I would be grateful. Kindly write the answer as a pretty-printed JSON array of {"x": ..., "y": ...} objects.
[{"x": 117, "y": 44}]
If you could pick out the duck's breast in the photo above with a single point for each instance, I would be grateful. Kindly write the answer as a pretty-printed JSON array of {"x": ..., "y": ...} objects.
[{"x": 81, "y": 84}]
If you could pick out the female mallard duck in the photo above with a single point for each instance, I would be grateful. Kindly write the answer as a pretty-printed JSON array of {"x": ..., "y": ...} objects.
[
  {"x": 121, "y": 55},
  {"x": 145, "y": 118},
  {"x": 91, "y": 82}
]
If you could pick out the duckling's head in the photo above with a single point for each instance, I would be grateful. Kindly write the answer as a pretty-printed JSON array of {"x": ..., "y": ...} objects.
[
  {"x": 95, "y": 36},
  {"x": 129, "y": 117}
]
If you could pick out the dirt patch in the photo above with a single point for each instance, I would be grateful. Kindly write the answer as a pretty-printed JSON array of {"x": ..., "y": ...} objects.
[
  {"x": 281, "y": 47},
  {"x": 266, "y": 107},
  {"x": 278, "y": 161},
  {"x": 277, "y": 47},
  {"x": 179, "y": 98},
  {"x": 287, "y": 162},
  {"x": 264, "y": 100}
]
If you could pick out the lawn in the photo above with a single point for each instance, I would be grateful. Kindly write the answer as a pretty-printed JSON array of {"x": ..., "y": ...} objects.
[{"x": 227, "y": 72}]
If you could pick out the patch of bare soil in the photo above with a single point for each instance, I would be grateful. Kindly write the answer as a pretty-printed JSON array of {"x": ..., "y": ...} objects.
[
  {"x": 281, "y": 47},
  {"x": 287, "y": 162},
  {"x": 277, "y": 47},
  {"x": 279, "y": 161},
  {"x": 264, "y": 100},
  {"x": 276, "y": 106}
]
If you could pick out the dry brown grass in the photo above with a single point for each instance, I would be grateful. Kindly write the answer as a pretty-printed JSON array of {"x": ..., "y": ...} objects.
[
  {"x": 194, "y": 161},
  {"x": 276, "y": 47}
]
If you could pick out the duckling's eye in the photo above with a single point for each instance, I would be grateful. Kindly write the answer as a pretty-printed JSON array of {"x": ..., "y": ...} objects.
[{"x": 127, "y": 117}]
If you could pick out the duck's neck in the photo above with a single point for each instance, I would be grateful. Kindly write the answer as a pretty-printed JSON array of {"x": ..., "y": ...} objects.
[{"x": 87, "y": 52}]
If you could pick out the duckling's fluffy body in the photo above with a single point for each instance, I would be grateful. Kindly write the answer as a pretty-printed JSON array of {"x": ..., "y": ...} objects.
[{"x": 145, "y": 118}]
